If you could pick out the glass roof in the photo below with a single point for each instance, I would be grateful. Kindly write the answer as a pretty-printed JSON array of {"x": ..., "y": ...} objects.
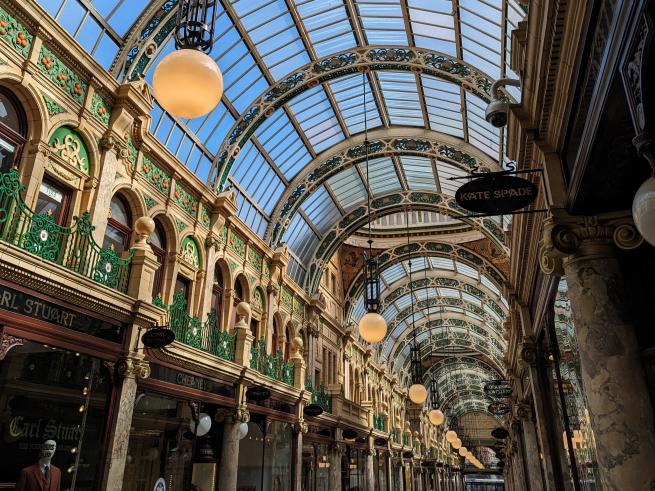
[{"x": 259, "y": 43}]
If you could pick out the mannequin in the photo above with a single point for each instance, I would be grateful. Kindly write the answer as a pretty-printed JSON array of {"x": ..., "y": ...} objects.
[{"x": 42, "y": 476}]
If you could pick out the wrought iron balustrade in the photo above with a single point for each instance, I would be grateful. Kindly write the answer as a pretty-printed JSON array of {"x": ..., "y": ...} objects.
[
  {"x": 405, "y": 439},
  {"x": 319, "y": 396},
  {"x": 395, "y": 437},
  {"x": 378, "y": 422},
  {"x": 272, "y": 366},
  {"x": 71, "y": 247},
  {"x": 202, "y": 335}
]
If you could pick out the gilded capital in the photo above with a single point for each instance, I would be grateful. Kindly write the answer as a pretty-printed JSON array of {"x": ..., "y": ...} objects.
[
  {"x": 300, "y": 426},
  {"x": 528, "y": 351},
  {"x": 565, "y": 237},
  {"x": 132, "y": 367}
]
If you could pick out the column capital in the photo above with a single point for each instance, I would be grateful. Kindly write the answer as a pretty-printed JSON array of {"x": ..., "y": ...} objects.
[
  {"x": 300, "y": 426},
  {"x": 566, "y": 236},
  {"x": 528, "y": 351},
  {"x": 133, "y": 367}
]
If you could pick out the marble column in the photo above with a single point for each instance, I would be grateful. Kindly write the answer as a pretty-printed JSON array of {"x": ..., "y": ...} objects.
[
  {"x": 229, "y": 466},
  {"x": 613, "y": 377},
  {"x": 334, "y": 457},
  {"x": 401, "y": 475},
  {"x": 389, "y": 472},
  {"x": 299, "y": 428},
  {"x": 369, "y": 469},
  {"x": 129, "y": 369},
  {"x": 530, "y": 449}
]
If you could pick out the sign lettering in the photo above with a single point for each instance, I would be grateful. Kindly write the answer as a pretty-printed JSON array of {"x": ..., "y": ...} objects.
[{"x": 496, "y": 194}]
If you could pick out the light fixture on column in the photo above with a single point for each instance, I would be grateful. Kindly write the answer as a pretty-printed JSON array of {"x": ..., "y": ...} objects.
[
  {"x": 372, "y": 327},
  {"x": 187, "y": 82}
]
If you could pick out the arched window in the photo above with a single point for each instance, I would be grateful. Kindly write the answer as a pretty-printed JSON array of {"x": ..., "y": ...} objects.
[
  {"x": 158, "y": 244},
  {"x": 277, "y": 339},
  {"x": 287, "y": 342},
  {"x": 119, "y": 230},
  {"x": 13, "y": 129},
  {"x": 217, "y": 291}
]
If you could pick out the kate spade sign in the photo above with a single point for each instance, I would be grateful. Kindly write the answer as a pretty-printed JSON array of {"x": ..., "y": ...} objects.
[{"x": 496, "y": 194}]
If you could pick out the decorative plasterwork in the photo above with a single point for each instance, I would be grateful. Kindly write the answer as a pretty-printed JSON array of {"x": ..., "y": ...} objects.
[
  {"x": 7, "y": 342},
  {"x": 14, "y": 33},
  {"x": 418, "y": 142},
  {"x": 65, "y": 78},
  {"x": 70, "y": 147},
  {"x": 334, "y": 66}
]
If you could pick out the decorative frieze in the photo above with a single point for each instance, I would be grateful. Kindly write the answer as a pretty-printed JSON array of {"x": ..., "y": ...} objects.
[
  {"x": 52, "y": 106},
  {"x": 14, "y": 33},
  {"x": 237, "y": 244},
  {"x": 57, "y": 71},
  {"x": 185, "y": 200},
  {"x": 155, "y": 176},
  {"x": 150, "y": 202},
  {"x": 100, "y": 109}
]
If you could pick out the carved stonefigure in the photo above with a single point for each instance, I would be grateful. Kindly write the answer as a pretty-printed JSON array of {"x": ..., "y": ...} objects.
[{"x": 41, "y": 476}]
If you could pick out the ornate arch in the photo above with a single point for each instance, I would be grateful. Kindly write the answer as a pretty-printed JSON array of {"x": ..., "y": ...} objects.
[
  {"x": 385, "y": 205},
  {"x": 382, "y": 142}
]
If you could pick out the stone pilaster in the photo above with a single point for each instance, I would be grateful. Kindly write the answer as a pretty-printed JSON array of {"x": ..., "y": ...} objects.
[
  {"x": 369, "y": 470},
  {"x": 144, "y": 263},
  {"x": 129, "y": 369},
  {"x": 229, "y": 466},
  {"x": 334, "y": 457},
  {"x": 613, "y": 377},
  {"x": 530, "y": 450},
  {"x": 244, "y": 338},
  {"x": 299, "y": 428}
]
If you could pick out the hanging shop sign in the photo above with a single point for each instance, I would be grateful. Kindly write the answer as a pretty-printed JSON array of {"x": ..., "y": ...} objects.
[
  {"x": 498, "y": 389},
  {"x": 497, "y": 193},
  {"x": 313, "y": 410},
  {"x": 380, "y": 442},
  {"x": 500, "y": 433},
  {"x": 349, "y": 434},
  {"x": 258, "y": 393},
  {"x": 499, "y": 408},
  {"x": 158, "y": 337}
]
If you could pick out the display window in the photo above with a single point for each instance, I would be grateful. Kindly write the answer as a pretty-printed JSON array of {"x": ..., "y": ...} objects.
[
  {"x": 53, "y": 414},
  {"x": 353, "y": 472},
  {"x": 53, "y": 200},
  {"x": 315, "y": 466}
]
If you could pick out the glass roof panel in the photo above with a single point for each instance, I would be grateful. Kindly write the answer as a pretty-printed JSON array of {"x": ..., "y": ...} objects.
[
  {"x": 433, "y": 25},
  {"x": 401, "y": 98},
  {"x": 348, "y": 188},
  {"x": 283, "y": 144},
  {"x": 393, "y": 273},
  {"x": 317, "y": 119},
  {"x": 466, "y": 269},
  {"x": 382, "y": 177},
  {"x": 445, "y": 172},
  {"x": 348, "y": 95},
  {"x": 320, "y": 209},
  {"x": 327, "y": 26},
  {"x": 442, "y": 263},
  {"x": 418, "y": 171},
  {"x": 273, "y": 31},
  {"x": 481, "y": 134},
  {"x": 443, "y": 102},
  {"x": 382, "y": 21},
  {"x": 249, "y": 212},
  {"x": 480, "y": 24},
  {"x": 389, "y": 313},
  {"x": 301, "y": 239}
]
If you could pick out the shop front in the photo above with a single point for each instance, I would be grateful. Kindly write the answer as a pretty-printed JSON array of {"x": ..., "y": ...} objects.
[{"x": 57, "y": 379}]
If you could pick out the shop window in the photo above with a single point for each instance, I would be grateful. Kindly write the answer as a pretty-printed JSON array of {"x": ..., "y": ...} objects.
[
  {"x": 165, "y": 444},
  {"x": 265, "y": 456},
  {"x": 53, "y": 200},
  {"x": 13, "y": 130},
  {"x": 315, "y": 466},
  {"x": 158, "y": 245},
  {"x": 118, "y": 231},
  {"x": 53, "y": 394}
]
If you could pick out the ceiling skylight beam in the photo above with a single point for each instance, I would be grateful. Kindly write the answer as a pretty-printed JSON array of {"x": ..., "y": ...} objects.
[
  {"x": 330, "y": 191},
  {"x": 460, "y": 55},
  {"x": 400, "y": 172},
  {"x": 311, "y": 225}
]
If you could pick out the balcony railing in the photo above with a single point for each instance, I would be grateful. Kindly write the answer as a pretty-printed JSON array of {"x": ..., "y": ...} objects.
[
  {"x": 395, "y": 437},
  {"x": 272, "y": 366},
  {"x": 378, "y": 422},
  {"x": 71, "y": 247},
  {"x": 319, "y": 396},
  {"x": 189, "y": 330}
]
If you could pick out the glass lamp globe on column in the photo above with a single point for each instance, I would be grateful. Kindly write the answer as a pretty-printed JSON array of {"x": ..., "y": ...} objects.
[
  {"x": 643, "y": 210},
  {"x": 457, "y": 443},
  {"x": 372, "y": 327},
  {"x": 451, "y": 436},
  {"x": 436, "y": 417},
  {"x": 418, "y": 394}
]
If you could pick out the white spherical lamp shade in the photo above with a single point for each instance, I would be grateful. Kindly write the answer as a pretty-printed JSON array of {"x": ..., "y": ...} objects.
[
  {"x": 643, "y": 210},
  {"x": 451, "y": 436},
  {"x": 372, "y": 327},
  {"x": 436, "y": 417},
  {"x": 187, "y": 83},
  {"x": 243, "y": 430},
  {"x": 204, "y": 425},
  {"x": 457, "y": 443},
  {"x": 462, "y": 451},
  {"x": 418, "y": 394}
]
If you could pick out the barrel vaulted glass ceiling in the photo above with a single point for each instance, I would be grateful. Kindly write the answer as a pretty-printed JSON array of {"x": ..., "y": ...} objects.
[{"x": 259, "y": 42}]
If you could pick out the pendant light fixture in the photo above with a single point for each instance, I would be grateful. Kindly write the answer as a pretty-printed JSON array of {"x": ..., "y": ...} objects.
[
  {"x": 187, "y": 82},
  {"x": 418, "y": 394},
  {"x": 435, "y": 415},
  {"x": 372, "y": 327}
]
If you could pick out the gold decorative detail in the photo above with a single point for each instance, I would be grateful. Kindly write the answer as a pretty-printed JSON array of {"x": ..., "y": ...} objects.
[
  {"x": 626, "y": 236},
  {"x": 241, "y": 414},
  {"x": 300, "y": 426},
  {"x": 69, "y": 150},
  {"x": 528, "y": 351},
  {"x": 130, "y": 367}
]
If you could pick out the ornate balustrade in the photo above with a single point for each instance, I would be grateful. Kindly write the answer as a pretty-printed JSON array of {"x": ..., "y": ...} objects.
[
  {"x": 189, "y": 330},
  {"x": 378, "y": 422},
  {"x": 272, "y": 366},
  {"x": 71, "y": 247},
  {"x": 319, "y": 396},
  {"x": 405, "y": 439}
]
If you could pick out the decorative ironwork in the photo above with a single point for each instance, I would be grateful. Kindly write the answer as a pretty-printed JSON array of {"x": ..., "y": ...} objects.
[
  {"x": 319, "y": 396},
  {"x": 194, "y": 27},
  {"x": 379, "y": 422},
  {"x": 189, "y": 330},
  {"x": 71, "y": 247},
  {"x": 272, "y": 366}
]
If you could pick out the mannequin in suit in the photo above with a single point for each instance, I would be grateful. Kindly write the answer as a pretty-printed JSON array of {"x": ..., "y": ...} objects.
[{"x": 42, "y": 476}]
